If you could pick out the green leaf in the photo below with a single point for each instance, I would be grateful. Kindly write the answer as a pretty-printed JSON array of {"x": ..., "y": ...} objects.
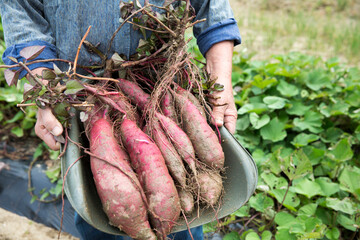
[
  {"x": 274, "y": 102},
  {"x": 350, "y": 181},
  {"x": 62, "y": 109},
  {"x": 260, "y": 202},
  {"x": 304, "y": 139},
  {"x": 38, "y": 151},
  {"x": 17, "y": 131},
  {"x": 262, "y": 83},
  {"x": 331, "y": 135},
  {"x": 318, "y": 79},
  {"x": 266, "y": 235},
  {"x": 327, "y": 186},
  {"x": 346, "y": 222},
  {"x": 315, "y": 155},
  {"x": 297, "y": 108},
  {"x": 33, "y": 199},
  {"x": 306, "y": 187},
  {"x": 284, "y": 220},
  {"x": 308, "y": 210},
  {"x": 283, "y": 234},
  {"x": 210, "y": 227},
  {"x": 295, "y": 166},
  {"x": 286, "y": 89},
  {"x": 44, "y": 195},
  {"x": 252, "y": 236},
  {"x": 252, "y": 107},
  {"x": 311, "y": 121},
  {"x": 243, "y": 211},
  {"x": 338, "y": 108},
  {"x": 332, "y": 233},
  {"x": 291, "y": 200},
  {"x": 73, "y": 86},
  {"x": 18, "y": 116},
  {"x": 273, "y": 181},
  {"x": 274, "y": 131},
  {"x": 242, "y": 123},
  {"x": 342, "y": 151},
  {"x": 345, "y": 205},
  {"x": 258, "y": 122}
]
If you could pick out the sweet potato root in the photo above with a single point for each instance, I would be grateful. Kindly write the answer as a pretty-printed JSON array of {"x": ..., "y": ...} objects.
[
  {"x": 116, "y": 183},
  {"x": 149, "y": 164},
  {"x": 204, "y": 139}
]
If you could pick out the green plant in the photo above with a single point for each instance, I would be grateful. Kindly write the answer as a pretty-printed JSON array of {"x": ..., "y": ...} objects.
[{"x": 299, "y": 116}]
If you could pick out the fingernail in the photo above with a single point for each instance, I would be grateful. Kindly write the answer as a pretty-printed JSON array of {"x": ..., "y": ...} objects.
[
  {"x": 56, "y": 131},
  {"x": 219, "y": 122}
]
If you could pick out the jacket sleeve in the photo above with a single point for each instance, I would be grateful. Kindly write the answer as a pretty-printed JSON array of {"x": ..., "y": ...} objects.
[
  {"x": 24, "y": 25},
  {"x": 220, "y": 24}
]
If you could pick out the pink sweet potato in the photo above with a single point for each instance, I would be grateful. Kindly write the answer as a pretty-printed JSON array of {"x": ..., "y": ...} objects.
[
  {"x": 159, "y": 187},
  {"x": 172, "y": 159},
  {"x": 191, "y": 98},
  {"x": 168, "y": 107},
  {"x": 204, "y": 139},
  {"x": 186, "y": 201},
  {"x": 136, "y": 95},
  {"x": 210, "y": 187},
  {"x": 116, "y": 182},
  {"x": 180, "y": 140}
]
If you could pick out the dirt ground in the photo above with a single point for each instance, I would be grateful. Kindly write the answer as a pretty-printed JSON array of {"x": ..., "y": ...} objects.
[{"x": 13, "y": 227}]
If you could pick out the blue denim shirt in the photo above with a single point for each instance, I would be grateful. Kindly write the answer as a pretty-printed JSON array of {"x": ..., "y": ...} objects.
[{"x": 60, "y": 24}]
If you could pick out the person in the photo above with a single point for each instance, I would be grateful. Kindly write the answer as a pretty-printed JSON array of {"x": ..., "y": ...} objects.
[{"x": 59, "y": 25}]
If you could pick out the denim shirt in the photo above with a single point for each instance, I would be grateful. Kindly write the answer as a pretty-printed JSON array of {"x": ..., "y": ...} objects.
[{"x": 59, "y": 25}]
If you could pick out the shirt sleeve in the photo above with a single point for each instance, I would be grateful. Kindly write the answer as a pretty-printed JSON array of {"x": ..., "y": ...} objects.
[
  {"x": 219, "y": 26},
  {"x": 24, "y": 25}
]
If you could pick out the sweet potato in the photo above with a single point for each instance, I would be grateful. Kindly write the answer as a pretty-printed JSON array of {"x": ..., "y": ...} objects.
[
  {"x": 168, "y": 107},
  {"x": 136, "y": 95},
  {"x": 186, "y": 201},
  {"x": 159, "y": 187},
  {"x": 116, "y": 183},
  {"x": 180, "y": 140},
  {"x": 204, "y": 139},
  {"x": 191, "y": 98},
  {"x": 172, "y": 159},
  {"x": 210, "y": 187}
]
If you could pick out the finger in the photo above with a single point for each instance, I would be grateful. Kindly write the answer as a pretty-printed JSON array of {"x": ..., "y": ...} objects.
[
  {"x": 230, "y": 117},
  {"x": 46, "y": 136},
  {"x": 47, "y": 118},
  {"x": 230, "y": 123},
  {"x": 218, "y": 115}
]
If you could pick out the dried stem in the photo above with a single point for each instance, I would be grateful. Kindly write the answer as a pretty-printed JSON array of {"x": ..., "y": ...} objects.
[
  {"x": 161, "y": 23},
  {"x": 79, "y": 47}
]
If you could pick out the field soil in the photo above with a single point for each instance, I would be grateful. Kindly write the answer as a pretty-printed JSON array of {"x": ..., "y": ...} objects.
[{"x": 13, "y": 227}]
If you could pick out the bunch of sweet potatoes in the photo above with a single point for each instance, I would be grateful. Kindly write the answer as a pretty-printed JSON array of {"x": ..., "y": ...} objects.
[{"x": 151, "y": 166}]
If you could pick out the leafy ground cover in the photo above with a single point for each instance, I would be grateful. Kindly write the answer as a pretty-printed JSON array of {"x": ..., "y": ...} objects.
[{"x": 299, "y": 117}]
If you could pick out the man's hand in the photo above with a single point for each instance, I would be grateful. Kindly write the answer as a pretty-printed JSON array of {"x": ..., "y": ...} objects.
[
  {"x": 47, "y": 126},
  {"x": 219, "y": 65}
]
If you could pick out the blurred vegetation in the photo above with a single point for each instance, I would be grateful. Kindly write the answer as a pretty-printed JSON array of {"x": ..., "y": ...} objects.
[{"x": 327, "y": 28}]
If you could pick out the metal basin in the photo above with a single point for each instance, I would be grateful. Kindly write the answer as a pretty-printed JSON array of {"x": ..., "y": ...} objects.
[{"x": 239, "y": 183}]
